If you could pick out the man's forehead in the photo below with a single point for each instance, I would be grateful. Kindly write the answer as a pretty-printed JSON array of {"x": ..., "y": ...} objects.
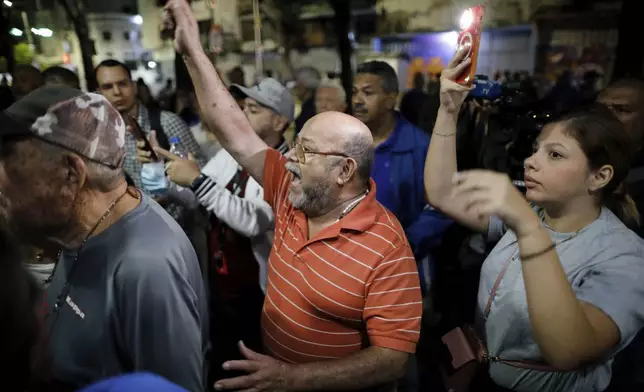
[
  {"x": 328, "y": 90},
  {"x": 621, "y": 95},
  {"x": 310, "y": 136},
  {"x": 111, "y": 75},
  {"x": 367, "y": 80},
  {"x": 250, "y": 102}
]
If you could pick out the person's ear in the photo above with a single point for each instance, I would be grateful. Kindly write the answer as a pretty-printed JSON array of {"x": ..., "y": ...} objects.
[
  {"x": 74, "y": 174},
  {"x": 600, "y": 178},
  {"x": 392, "y": 101},
  {"x": 347, "y": 172}
]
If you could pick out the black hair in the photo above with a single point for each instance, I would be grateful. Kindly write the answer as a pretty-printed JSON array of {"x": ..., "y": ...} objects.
[
  {"x": 111, "y": 63},
  {"x": 384, "y": 71},
  {"x": 61, "y": 75}
]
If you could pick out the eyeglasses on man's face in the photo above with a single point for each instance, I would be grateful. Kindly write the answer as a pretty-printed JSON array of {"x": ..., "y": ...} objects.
[{"x": 300, "y": 152}]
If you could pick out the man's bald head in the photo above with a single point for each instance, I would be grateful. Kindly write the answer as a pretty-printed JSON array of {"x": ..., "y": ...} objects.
[{"x": 335, "y": 131}]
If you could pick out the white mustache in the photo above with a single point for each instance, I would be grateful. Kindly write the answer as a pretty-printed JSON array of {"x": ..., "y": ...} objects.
[{"x": 293, "y": 168}]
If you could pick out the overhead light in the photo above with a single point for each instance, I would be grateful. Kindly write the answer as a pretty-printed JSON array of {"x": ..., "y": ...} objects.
[
  {"x": 7, "y": 3},
  {"x": 15, "y": 32},
  {"x": 152, "y": 64},
  {"x": 137, "y": 19},
  {"x": 43, "y": 32}
]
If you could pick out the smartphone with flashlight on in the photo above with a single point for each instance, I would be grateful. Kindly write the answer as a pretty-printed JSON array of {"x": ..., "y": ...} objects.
[{"x": 471, "y": 25}]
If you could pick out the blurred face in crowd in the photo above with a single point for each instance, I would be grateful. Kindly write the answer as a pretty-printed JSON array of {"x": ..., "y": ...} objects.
[
  {"x": 25, "y": 80},
  {"x": 370, "y": 102},
  {"x": 115, "y": 84},
  {"x": 558, "y": 170},
  {"x": 627, "y": 104},
  {"x": 265, "y": 122},
  {"x": 329, "y": 99},
  {"x": 38, "y": 192}
]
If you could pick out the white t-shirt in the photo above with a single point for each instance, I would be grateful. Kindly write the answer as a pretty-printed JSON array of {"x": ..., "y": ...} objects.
[{"x": 40, "y": 272}]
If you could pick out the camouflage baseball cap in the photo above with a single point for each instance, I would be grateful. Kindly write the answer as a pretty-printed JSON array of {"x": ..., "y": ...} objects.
[{"x": 84, "y": 123}]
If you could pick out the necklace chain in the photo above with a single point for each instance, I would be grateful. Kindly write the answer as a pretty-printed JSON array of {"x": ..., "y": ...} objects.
[
  {"x": 65, "y": 288},
  {"x": 352, "y": 205}
]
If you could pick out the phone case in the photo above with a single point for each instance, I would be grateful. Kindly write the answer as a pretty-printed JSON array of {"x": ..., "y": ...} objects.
[{"x": 471, "y": 29}]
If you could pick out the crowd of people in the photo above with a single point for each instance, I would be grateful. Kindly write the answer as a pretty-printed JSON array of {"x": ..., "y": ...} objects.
[{"x": 236, "y": 245}]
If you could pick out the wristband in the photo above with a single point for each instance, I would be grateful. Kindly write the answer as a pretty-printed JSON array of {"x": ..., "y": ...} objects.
[{"x": 197, "y": 182}]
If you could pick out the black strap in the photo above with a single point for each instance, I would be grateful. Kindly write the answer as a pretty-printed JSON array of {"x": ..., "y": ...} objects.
[{"x": 154, "y": 115}]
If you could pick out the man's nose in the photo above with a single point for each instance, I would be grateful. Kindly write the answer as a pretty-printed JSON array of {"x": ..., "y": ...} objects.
[{"x": 290, "y": 155}]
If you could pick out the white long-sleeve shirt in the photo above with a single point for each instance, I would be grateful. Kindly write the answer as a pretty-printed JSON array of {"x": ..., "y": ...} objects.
[{"x": 250, "y": 215}]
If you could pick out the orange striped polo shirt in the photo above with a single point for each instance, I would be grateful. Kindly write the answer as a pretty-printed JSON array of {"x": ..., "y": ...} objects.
[{"x": 354, "y": 285}]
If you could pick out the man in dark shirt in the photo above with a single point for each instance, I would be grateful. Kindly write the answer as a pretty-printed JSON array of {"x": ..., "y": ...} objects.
[{"x": 127, "y": 293}]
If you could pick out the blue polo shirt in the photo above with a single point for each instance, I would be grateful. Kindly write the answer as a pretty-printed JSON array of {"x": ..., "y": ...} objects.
[{"x": 399, "y": 175}]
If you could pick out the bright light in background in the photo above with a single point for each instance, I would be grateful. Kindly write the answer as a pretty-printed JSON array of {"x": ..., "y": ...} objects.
[
  {"x": 43, "y": 32},
  {"x": 449, "y": 37},
  {"x": 7, "y": 3},
  {"x": 15, "y": 32},
  {"x": 152, "y": 64},
  {"x": 466, "y": 19},
  {"x": 137, "y": 19}
]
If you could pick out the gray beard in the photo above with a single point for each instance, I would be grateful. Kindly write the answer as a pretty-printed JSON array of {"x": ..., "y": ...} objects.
[{"x": 314, "y": 200}]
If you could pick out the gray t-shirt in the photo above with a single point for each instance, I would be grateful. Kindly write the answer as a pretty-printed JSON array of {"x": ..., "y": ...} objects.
[
  {"x": 604, "y": 264},
  {"x": 135, "y": 302}
]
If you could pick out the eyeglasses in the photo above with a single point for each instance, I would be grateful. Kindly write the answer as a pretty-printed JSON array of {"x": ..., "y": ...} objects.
[{"x": 300, "y": 152}]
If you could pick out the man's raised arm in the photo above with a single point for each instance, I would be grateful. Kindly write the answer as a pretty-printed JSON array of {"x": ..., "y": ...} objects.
[{"x": 218, "y": 108}]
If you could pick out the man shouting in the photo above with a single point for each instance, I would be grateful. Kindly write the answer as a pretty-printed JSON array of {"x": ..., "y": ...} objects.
[{"x": 343, "y": 303}]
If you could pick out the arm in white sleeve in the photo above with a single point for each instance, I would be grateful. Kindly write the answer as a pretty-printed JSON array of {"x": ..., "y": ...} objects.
[{"x": 248, "y": 216}]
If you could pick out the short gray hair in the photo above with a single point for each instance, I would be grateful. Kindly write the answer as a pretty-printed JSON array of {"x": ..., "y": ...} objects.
[
  {"x": 361, "y": 150},
  {"x": 309, "y": 77},
  {"x": 330, "y": 83}
]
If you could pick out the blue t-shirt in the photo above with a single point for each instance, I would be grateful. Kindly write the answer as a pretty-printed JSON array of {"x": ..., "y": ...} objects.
[{"x": 134, "y": 383}]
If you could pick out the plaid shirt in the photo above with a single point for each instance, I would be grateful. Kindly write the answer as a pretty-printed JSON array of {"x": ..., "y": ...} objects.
[{"x": 173, "y": 126}]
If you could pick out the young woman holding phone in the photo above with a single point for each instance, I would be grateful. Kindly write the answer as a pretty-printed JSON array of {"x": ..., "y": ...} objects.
[{"x": 569, "y": 269}]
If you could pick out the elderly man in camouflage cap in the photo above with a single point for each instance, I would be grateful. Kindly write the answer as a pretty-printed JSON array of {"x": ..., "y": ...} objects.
[{"x": 127, "y": 293}]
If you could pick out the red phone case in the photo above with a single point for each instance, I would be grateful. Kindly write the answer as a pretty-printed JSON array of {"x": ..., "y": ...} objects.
[{"x": 471, "y": 35}]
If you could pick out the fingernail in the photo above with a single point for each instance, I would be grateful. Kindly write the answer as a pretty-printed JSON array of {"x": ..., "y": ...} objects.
[
  {"x": 218, "y": 386},
  {"x": 226, "y": 366}
]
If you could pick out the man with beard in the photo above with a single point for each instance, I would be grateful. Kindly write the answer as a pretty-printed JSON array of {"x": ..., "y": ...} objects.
[
  {"x": 400, "y": 150},
  {"x": 343, "y": 303},
  {"x": 127, "y": 293}
]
